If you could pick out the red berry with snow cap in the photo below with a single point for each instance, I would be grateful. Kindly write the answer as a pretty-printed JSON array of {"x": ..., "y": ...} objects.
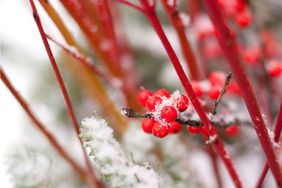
[
  {"x": 160, "y": 130},
  {"x": 174, "y": 127},
  {"x": 182, "y": 103},
  {"x": 169, "y": 113},
  {"x": 152, "y": 101},
  {"x": 147, "y": 125},
  {"x": 143, "y": 96}
]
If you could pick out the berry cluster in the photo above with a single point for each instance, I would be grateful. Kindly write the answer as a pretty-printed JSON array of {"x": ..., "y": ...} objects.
[{"x": 165, "y": 108}]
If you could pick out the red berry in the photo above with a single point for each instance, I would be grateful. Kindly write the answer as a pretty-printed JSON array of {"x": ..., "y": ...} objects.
[
  {"x": 244, "y": 19},
  {"x": 143, "y": 96},
  {"x": 274, "y": 68},
  {"x": 214, "y": 92},
  {"x": 217, "y": 78},
  {"x": 169, "y": 113},
  {"x": 162, "y": 93},
  {"x": 251, "y": 56},
  {"x": 160, "y": 130},
  {"x": 240, "y": 5},
  {"x": 174, "y": 127},
  {"x": 232, "y": 130},
  {"x": 147, "y": 125},
  {"x": 197, "y": 89},
  {"x": 193, "y": 130},
  {"x": 152, "y": 101},
  {"x": 234, "y": 88},
  {"x": 182, "y": 103}
]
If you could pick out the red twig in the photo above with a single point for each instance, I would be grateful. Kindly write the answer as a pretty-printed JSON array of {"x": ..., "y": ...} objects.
[
  {"x": 277, "y": 133},
  {"x": 179, "y": 26},
  {"x": 92, "y": 177},
  {"x": 50, "y": 137},
  {"x": 228, "y": 44},
  {"x": 150, "y": 13}
]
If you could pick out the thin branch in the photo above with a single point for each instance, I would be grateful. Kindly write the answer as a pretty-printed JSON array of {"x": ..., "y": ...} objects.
[
  {"x": 130, "y": 113},
  {"x": 223, "y": 91},
  {"x": 37, "y": 123},
  {"x": 229, "y": 45},
  {"x": 277, "y": 133},
  {"x": 56, "y": 70}
]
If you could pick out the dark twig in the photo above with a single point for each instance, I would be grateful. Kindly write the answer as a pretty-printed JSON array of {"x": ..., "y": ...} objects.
[
  {"x": 223, "y": 91},
  {"x": 129, "y": 112}
]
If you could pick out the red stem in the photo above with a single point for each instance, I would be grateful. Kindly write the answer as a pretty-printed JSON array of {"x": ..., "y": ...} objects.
[
  {"x": 228, "y": 44},
  {"x": 50, "y": 137},
  {"x": 277, "y": 133},
  {"x": 215, "y": 166},
  {"x": 188, "y": 88},
  {"x": 188, "y": 54},
  {"x": 92, "y": 177}
]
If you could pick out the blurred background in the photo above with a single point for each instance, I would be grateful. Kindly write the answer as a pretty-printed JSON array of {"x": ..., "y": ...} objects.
[{"x": 27, "y": 159}]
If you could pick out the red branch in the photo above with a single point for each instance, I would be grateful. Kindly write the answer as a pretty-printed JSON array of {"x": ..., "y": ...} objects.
[
  {"x": 50, "y": 137},
  {"x": 277, "y": 133},
  {"x": 188, "y": 54},
  {"x": 228, "y": 44},
  {"x": 150, "y": 13},
  {"x": 91, "y": 175}
]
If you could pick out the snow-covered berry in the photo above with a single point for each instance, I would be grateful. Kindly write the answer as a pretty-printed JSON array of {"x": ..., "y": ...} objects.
[{"x": 169, "y": 113}]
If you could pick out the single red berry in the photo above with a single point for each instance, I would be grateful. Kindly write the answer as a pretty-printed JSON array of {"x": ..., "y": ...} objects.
[
  {"x": 162, "y": 93},
  {"x": 240, "y": 5},
  {"x": 217, "y": 78},
  {"x": 214, "y": 93},
  {"x": 160, "y": 130},
  {"x": 232, "y": 130},
  {"x": 143, "y": 96},
  {"x": 182, "y": 103},
  {"x": 174, "y": 127},
  {"x": 234, "y": 88},
  {"x": 251, "y": 56},
  {"x": 193, "y": 130},
  {"x": 197, "y": 89},
  {"x": 244, "y": 19},
  {"x": 169, "y": 113},
  {"x": 152, "y": 101},
  {"x": 147, "y": 125},
  {"x": 274, "y": 68}
]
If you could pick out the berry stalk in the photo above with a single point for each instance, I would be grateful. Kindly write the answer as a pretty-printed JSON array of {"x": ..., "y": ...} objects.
[{"x": 229, "y": 46}]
